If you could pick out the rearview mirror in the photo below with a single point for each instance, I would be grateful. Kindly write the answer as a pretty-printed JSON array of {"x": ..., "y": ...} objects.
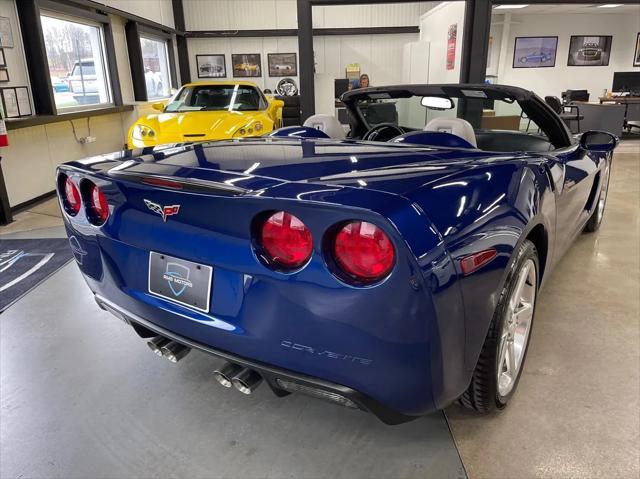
[
  {"x": 437, "y": 102},
  {"x": 158, "y": 106},
  {"x": 599, "y": 141}
]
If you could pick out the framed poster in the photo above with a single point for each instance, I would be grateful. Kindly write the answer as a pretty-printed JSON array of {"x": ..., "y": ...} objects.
[
  {"x": 24, "y": 102},
  {"x": 535, "y": 52},
  {"x": 10, "y": 103},
  {"x": 636, "y": 56},
  {"x": 6, "y": 36},
  {"x": 452, "y": 36},
  {"x": 4, "y": 75},
  {"x": 3, "y": 61},
  {"x": 589, "y": 51},
  {"x": 211, "y": 66},
  {"x": 246, "y": 65},
  {"x": 282, "y": 64}
]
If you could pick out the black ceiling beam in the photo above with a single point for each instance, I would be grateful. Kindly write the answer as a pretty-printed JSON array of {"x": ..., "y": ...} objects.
[{"x": 293, "y": 32}]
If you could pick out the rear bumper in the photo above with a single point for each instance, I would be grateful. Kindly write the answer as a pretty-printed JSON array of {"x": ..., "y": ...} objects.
[{"x": 270, "y": 374}]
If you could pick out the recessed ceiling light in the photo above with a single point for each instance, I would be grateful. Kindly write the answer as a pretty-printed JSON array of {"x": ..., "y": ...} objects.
[
  {"x": 610, "y": 5},
  {"x": 504, "y": 7}
]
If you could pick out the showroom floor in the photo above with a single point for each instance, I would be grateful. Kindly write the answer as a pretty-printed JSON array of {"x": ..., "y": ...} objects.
[{"x": 81, "y": 396}]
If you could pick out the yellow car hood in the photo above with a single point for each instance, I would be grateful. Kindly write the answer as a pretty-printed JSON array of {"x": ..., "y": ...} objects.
[{"x": 203, "y": 125}]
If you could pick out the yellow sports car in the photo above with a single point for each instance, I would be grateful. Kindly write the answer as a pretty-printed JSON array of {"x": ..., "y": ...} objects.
[{"x": 209, "y": 111}]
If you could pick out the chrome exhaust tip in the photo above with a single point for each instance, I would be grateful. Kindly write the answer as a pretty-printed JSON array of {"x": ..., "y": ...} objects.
[
  {"x": 246, "y": 381},
  {"x": 157, "y": 343},
  {"x": 174, "y": 352},
  {"x": 225, "y": 373}
]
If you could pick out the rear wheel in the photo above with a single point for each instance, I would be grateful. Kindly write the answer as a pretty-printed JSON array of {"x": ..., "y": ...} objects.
[
  {"x": 598, "y": 212},
  {"x": 501, "y": 361}
]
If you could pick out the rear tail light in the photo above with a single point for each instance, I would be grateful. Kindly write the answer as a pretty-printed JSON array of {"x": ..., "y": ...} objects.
[
  {"x": 70, "y": 196},
  {"x": 98, "y": 206},
  {"x": 363, "y": 252},
  {"x": 286, "y": 241}
]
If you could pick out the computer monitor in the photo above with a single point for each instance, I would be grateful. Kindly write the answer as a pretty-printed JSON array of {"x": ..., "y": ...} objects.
[
  {"x": 341, "y": 85},
  {"x": 626, "y": 82}
]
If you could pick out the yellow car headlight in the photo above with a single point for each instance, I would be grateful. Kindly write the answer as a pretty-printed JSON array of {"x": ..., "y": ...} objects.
[{"x": 142, "y": 132}]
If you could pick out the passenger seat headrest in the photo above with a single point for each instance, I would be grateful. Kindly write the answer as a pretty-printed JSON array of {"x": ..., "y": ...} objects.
[
  {"x": 453, "y": 126},
  {"x": 328, "y": 124}
]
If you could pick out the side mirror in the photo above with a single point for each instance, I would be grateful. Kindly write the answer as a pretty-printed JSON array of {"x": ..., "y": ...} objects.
[
  {"x": 158, "y": 106},
  {"x": 437, "y": 102},
  {"x": 598, "y": 141},
  {"x": 277, "y": 104}
]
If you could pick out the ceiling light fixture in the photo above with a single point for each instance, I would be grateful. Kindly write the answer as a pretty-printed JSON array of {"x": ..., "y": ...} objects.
[
  {"x": 515, "y": 6},
  {"x": 610, "y": 5}
]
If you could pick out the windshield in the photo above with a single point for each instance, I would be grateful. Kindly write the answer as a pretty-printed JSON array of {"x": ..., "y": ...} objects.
[
  {"x": 483, "y": 114},
  {"x": 217, "y": 98}
]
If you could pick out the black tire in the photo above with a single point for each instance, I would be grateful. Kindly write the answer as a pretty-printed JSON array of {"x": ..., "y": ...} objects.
[
  {"x": 595, "y": 220},
  {"x": 291, "y": 100},
  {"x": 291, "y": 121},
  {"x": 291, "y": 112},
  {"x": 482, "y": 394}
]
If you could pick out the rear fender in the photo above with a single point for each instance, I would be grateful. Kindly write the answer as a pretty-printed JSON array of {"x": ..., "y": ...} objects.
[{"x": 490, "y": 206}]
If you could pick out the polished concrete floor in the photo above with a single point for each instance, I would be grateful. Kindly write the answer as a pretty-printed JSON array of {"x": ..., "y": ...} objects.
[{"x": 576, "y": 414}]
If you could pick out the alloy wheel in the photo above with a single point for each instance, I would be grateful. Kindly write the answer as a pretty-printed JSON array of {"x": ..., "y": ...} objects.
[{"x": 516, "y": 327}]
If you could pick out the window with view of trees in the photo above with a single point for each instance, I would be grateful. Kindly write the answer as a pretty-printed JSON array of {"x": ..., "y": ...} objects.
[
  {"x": 75, "y": 56},
  {"x": 156, "y": 67}
]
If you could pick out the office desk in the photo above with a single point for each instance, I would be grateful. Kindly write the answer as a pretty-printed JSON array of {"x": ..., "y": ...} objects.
[{"x": 630, "y": 103}]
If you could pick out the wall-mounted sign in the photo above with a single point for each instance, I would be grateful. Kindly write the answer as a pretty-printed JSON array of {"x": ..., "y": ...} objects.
[{"x": 452, "y": 36}]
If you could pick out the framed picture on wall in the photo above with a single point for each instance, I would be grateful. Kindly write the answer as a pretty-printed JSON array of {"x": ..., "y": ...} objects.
[
  {"x": 246, "y": 65},
  {"x": 535, "y": 52},
  {"x": 3, "y": 61},
  {"x": 282, "y": 64},
  {"x": 6, "y": 35},
  {"x": 10, "y": 103},
  {"x": 211, "y": 66},
  {"x": 636, "y": 55},
  {"x": 4, "y": 75},
  {"x": 589, "y": 51},
  {"x": 24, "y": 102}
]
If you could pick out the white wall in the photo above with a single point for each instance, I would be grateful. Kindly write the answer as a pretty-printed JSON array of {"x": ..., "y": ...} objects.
[
  {"x": 269, "y": 14},
  {"x": 554, "y": 80},
  {"x": 159, "y": 11},
  {"x": 434, "y": 27}
]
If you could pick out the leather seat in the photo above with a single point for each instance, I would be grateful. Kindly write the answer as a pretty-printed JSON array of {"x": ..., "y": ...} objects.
[
  {"x": 454, "y": 126},
  {"x": 328, "y": 124}
]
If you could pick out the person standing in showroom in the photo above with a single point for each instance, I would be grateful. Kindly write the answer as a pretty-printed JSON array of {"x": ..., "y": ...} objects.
[{"x": 364, "y": 81}]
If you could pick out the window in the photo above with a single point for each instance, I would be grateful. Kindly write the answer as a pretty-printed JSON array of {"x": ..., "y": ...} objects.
[
  {"x": 76, "y": 61},
  {"x": 155, "y": 60},
  {"x": 217, "y": 98}
]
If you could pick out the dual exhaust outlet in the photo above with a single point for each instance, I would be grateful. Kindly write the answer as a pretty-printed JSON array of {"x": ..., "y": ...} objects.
[{"x": 243, "y": 379}]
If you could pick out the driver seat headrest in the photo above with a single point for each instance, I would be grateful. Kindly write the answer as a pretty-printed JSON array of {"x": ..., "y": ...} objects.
[
  {"x": 454, "y": 126},
  {"x": 328, "y": 124}
]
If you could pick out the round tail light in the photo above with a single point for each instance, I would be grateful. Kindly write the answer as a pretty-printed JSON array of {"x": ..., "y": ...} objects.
[
  {"x": 363, "y": 252},
  {"x": 98, "y": 205},
  {"x": 71, "y": 197},
  {"x": 286, "y": 241}
]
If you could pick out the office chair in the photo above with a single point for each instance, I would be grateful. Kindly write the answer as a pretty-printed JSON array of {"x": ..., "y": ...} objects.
[{"x": 567, "y": 116}]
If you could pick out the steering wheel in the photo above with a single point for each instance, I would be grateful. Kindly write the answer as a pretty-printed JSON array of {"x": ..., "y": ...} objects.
[{"x": 383, "y": 132}]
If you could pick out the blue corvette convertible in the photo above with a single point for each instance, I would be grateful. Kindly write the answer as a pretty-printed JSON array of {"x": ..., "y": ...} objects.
[{"x": 392, "y": 268}]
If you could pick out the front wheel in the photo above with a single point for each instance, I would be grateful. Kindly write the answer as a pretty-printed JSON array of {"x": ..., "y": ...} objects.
[
  {"x": 501, "y": 361},
  {"x": 596, "y": 217}
]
